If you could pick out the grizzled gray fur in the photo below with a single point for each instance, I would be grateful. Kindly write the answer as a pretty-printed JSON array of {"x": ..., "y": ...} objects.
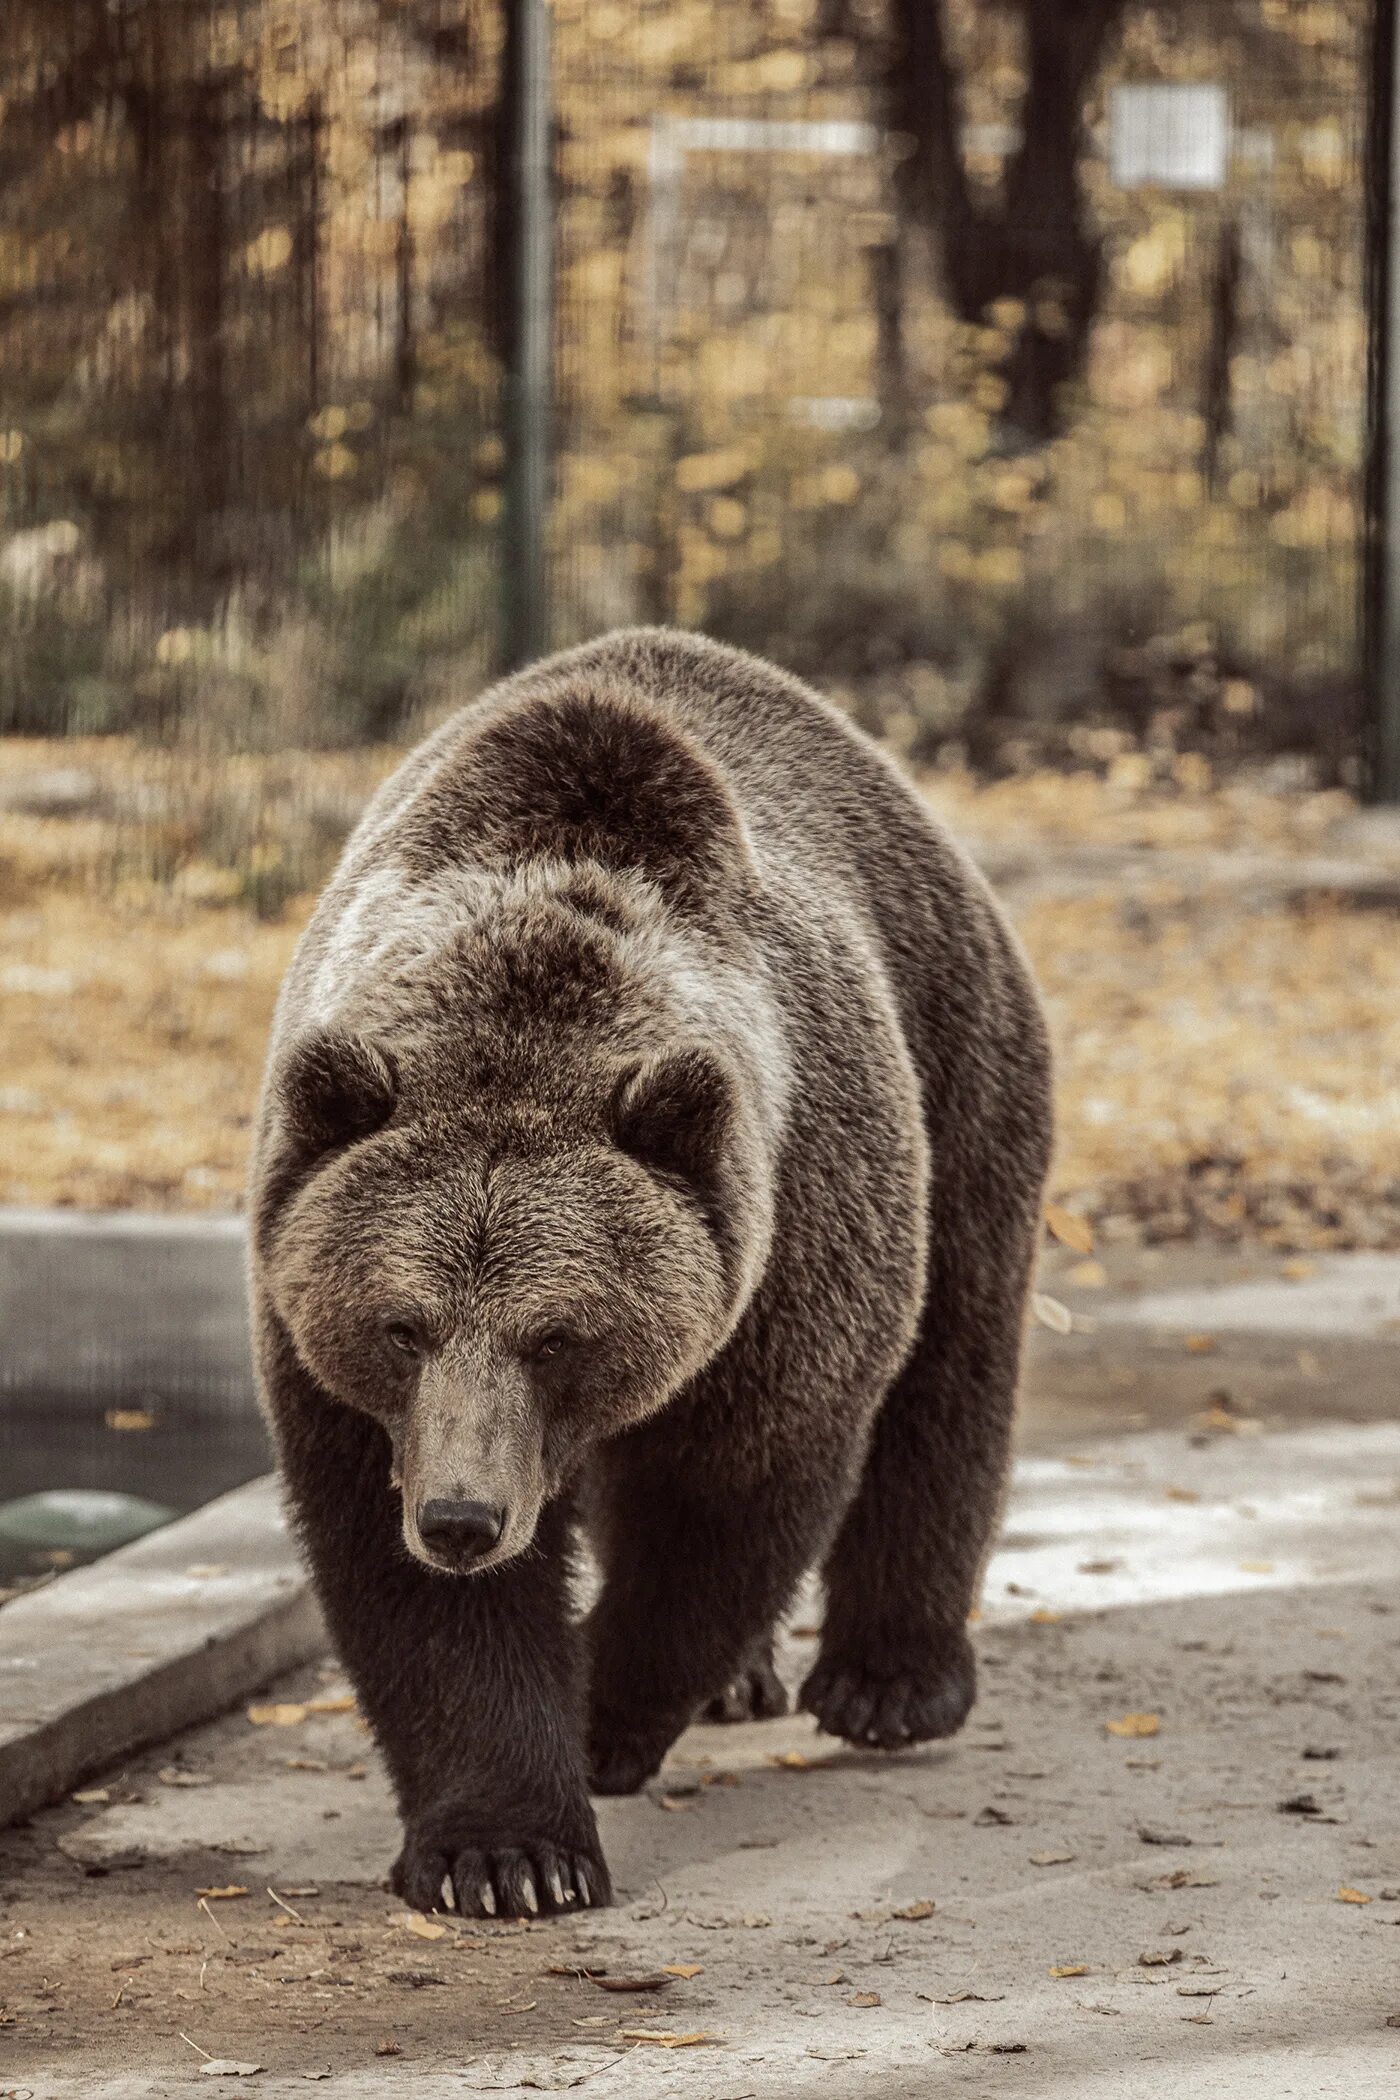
[{"x": 653, "y": 1142}]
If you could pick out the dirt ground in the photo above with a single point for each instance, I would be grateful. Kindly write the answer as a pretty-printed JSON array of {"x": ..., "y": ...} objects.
[
  {"x": 1219, "y": 960},
  {"x": 1168, "y": 1843}
]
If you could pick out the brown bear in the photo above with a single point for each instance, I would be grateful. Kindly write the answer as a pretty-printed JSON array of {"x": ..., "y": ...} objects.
[{"x": 652, "y": 1146}]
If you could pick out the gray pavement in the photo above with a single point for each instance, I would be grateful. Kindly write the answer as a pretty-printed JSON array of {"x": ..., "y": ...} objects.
[{"x": 1188, "y": 1881}]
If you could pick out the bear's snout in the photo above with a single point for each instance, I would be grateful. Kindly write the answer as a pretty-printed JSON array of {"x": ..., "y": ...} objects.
[{"x": 458, "y": 1533}]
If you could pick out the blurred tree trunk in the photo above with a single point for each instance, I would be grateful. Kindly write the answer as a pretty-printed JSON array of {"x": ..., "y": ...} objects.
[
  {"x": 886, "y": 263},
  {"x": 178, "y": 114},
  {"x": 1218, "y": 406},
  {"x": 205, "y": 263},
  {"x": 306, "y": 244},
  {"x": 405, "y": 331},
  {"x": 1033, "y": 243}
]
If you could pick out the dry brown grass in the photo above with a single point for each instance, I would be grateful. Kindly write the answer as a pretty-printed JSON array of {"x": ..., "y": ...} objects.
[{"x": 1221, "y": 1065}]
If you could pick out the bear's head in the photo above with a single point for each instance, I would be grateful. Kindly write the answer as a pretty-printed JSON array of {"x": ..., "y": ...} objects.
[{"x": 511, "y": 1230}]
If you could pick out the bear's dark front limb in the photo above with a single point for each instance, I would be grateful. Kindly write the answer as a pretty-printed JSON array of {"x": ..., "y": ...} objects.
[
  {"x": 895, "y": 1664},
  {"x": 470, "y": 1683},
  {"x": 696, "y": 1572}
]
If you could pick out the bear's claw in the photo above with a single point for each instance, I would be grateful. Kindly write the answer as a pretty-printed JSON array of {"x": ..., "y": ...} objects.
[
  {"x": 504, "y": 1881},
  {"x": 891, "y": 1709}
]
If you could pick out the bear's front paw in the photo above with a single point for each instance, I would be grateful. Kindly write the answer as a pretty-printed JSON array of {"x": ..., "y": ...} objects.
[
  {"x": 507, "y": 1877},
  {"x": 894, "y": 1704}
]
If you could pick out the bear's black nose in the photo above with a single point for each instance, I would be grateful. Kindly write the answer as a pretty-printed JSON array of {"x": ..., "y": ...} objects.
[{"x": 460, "y": 1531}]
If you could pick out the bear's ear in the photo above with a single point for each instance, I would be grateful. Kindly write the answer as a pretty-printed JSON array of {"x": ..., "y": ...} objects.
[
  {"x": 336, "y": 1087},
  {"x": 675, "y": 1113}
]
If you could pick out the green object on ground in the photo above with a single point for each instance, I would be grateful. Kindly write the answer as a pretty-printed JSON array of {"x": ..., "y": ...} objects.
[{"x": 81, "y": 1521}]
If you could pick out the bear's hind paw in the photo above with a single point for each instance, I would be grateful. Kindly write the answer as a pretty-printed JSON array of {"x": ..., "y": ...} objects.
[
  {"x": 754, "y": 1693},
  {"x": 621, "y": 1764},
  {"x": 893, "y": 1709}
]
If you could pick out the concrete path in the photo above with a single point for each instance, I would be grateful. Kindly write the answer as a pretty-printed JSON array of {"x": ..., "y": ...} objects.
[{"x": 1205, "y": 1900}]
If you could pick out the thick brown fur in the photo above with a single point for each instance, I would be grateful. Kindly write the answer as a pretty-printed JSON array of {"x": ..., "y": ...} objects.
[{"x": 653, "y": 1140}]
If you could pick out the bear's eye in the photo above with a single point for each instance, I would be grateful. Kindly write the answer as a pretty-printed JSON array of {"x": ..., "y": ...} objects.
[
  {"x": 403, "y": 1336},
  {"x": 553, "y": 1342}
]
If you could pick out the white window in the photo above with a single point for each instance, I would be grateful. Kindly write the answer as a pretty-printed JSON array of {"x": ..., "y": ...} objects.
[{"x": 1171, "y": 135}]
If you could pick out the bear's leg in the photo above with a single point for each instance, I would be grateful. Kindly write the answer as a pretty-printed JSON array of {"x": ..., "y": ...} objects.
[
  {"x": 895, "y": 1664},
  {"x": 696, "y": 1572},
  {"x": 755, "y": 1692},
  {"x": 470, "y": 1683}
]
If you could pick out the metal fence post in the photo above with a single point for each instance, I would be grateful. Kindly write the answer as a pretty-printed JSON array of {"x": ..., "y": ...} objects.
[
  {"x": 1381, "y": 612},
  {"x": 526, "y": 86}
]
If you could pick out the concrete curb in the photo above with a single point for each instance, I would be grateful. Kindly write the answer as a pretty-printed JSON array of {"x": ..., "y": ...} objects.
[{"x": 162, "y": 1634}]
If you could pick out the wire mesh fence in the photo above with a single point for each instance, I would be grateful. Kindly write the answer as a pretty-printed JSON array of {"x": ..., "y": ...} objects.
[{"x": 1002, "y": 365}]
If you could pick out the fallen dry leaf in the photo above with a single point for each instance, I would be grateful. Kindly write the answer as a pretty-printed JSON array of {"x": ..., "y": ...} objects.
[
  {"x": 224, "y": 1895},
  {"x": 1069, "y": 1968},
  {"x": 129, "y": 1418},
  {"x": 1043, "y": 1616},
  {"x": 914, "y": 1913},
  {"x": 664, "y": 2040},
  {"x": 91, "y": 1796},
  {"x": 1051, "y": 1859},
  {"x": 982, "y": 2048},
  {"x": 422, "y": 1928},
  {"x": 659, "y": 1980},
  {"x": 285, "y": 1714},
  {"x": 1050, "y": 1313},
  {"x": 1347, "y": 1895},
  {"x": 1218, "y": 1420},
  {"x": 1070, "y": 1229},
  {"x": 1134, "y": 1726},
  {"x": 790, "y": 1760},
  {"x": 387, "y": 2046},
  {"x": 865, "y": 2000},
  {"x": 1159, "y": 1958},
  {"x": 1088, "y": 1275},
  {"x": 686, "y": 1970}
]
